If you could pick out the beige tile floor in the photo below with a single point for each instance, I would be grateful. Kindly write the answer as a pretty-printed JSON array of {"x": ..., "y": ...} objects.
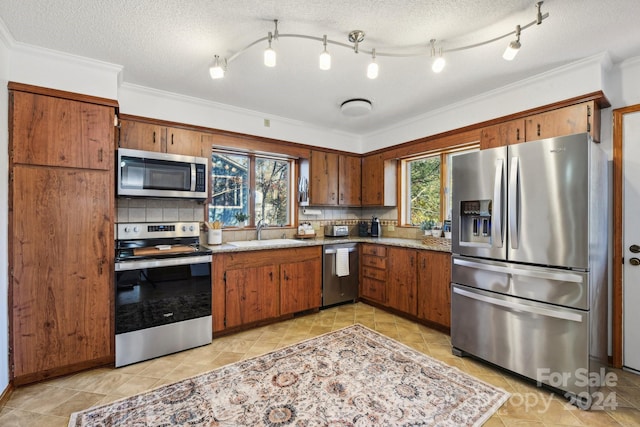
[{"x": 50, "y": 403}]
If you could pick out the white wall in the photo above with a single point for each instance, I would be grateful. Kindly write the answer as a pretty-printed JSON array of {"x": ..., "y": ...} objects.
[
  {"x": 4, "y": 211},
  {"x": 146, "y": 102},
  {"x": 562, "y": 83}
]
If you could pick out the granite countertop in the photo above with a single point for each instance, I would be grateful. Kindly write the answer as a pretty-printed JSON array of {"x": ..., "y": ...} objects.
[{"x": 432, "y": 244}]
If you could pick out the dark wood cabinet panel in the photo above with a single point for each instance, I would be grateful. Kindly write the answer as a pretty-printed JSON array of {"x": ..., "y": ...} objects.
[
  {"x": 512, "y": 132},
  {"x": 434, "y": 290},
  {"x": 185, "y": 142},
  {"x": 349, "y": 180},
  {"x": 153, "y": 137},
  {"x": 323, "y": 185},
  {"x": 51, "y": 131},
  {"x": 374, "y": 290},
  {"x": 584, "y": 117},
  {"x": 300, "y": 285},
  {"x": 402, "y": 278},
  {"x": 62, "y": 262},
  {"x": 251, "y": 294},
  {"x": 142, "y": 136},
  {"x": 372, "y": 180}
]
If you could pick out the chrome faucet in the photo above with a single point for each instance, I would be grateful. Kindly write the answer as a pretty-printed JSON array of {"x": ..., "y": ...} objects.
[{"x": 261, "y": 224}]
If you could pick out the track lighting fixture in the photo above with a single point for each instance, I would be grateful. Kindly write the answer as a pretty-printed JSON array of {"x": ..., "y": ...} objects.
[
  {"x": 372, "y": 69},
  {"x": 270, "y": 54},
  {"x": 438, "y": 61},
  {"x": 216, "y": 70},
  {"x": 325, "y": 58},
  {"x": 356, "y": 37},
  {"x": 513, "y": 48}
]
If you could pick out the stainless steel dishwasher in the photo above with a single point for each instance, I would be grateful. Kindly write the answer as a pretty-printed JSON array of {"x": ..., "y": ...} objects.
[{"x": 339, "y": 286}]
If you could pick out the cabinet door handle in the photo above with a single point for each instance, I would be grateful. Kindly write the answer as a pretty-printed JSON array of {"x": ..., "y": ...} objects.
[
  {"x": 517, "y": 134},
  {"x": 538, "y": 129},
  {"x": 411, "y": 258},
  {"x": 424, "y": 263},
  {"x": 271, "y": 275},
  {"x": 100, "y": 154},
  {"x": 154, "y": 136}
]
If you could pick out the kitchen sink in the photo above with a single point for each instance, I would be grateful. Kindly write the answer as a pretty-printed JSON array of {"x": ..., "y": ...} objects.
[{"x": 265, "y": 242}]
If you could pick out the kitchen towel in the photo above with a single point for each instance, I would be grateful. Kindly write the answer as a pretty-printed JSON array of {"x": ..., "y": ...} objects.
[{"x": 342, "y": 262}]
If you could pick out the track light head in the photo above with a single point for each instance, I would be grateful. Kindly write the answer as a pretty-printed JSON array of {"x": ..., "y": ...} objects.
[
  {"x": 512, "y": 49},
  {"x": 270, "y": 54},
  {"x": 372, "y": 69},
  {"x": 325, "y": 58},
  {"x": 216, "y": 71}
]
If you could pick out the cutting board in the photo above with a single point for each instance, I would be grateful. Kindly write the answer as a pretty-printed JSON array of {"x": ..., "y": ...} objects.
[{"x": 155, "y": 251}]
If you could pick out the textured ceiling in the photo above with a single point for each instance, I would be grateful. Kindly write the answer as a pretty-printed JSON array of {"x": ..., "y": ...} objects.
[{"x": 169, "y": 45}]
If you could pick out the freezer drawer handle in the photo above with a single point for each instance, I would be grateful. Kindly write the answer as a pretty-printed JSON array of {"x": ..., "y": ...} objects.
[
  {"x": 565, "y": 277},
  {"x": 333, "y": 251},
  {"x": 519, "y": 307}
]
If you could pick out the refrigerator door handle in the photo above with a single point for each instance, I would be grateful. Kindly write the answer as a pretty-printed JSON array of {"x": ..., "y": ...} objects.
[
  {"x": 513, "y": 203},
  {"x": 561, "y": 277},
  {"x": 497, "y": 201},
  {"x": 520, "y": 307}
]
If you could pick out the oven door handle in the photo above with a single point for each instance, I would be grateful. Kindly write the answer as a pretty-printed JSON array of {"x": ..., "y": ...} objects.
[{"x": 161, "y": 262}]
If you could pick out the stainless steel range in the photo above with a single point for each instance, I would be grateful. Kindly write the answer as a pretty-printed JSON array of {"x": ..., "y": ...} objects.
[{"x": 163, "y": 290}]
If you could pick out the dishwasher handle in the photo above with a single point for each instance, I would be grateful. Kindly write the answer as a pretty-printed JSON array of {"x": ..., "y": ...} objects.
[{"x": 334, "y": 250}]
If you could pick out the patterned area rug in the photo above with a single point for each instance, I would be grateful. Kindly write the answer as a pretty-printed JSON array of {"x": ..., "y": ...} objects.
[{"x": 350, "y": 377}]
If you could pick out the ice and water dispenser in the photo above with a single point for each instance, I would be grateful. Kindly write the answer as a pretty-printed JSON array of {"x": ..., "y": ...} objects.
[{"x": 475, "y": 222}]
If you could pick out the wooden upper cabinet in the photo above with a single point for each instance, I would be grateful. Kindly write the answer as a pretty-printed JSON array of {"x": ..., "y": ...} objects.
[
  {"x": 142, "y": 136},
  {"x": 578, "y": 118},
  {"x": 163, "y": 139},
  {"x": 323, "y": 185},
  {"x": 349, "y": 180},
  {"x": 372, "y": 180},
  {"x": 378, "y": 181},
  {"x": 508, "y": 133},
  {"x": 52, "y": 131},
  {"x": 184, "y": 141}
]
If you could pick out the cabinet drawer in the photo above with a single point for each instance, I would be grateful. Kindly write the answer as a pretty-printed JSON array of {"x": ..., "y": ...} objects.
[
  {"x": 374, "y": 290},
  {"x": 374, "y": 250},
  {"x": 374, "y": 261},
  {"x": 374, "y": 273}
]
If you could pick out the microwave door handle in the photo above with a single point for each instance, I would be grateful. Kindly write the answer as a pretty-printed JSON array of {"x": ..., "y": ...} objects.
[
  {"x": 513, "y": 203},
  {"x": 558, "y": 314},
  {"x": 193, "y": 177},
  {"x": 497, "y": 200}
]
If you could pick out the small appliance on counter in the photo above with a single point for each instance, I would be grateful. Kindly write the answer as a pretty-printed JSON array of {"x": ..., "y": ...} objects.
[
  {"x": 376, "y": 230},
  {"x": 336, "y": 230}
]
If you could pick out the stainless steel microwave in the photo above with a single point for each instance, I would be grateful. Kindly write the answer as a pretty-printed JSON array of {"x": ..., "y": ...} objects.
[{"x": 153, "y": 174}]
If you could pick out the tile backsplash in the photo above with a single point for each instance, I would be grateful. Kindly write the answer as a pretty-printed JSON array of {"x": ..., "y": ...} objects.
[{"x": 157, "y": 210}]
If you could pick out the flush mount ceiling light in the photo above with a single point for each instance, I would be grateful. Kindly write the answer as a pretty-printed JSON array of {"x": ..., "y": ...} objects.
[
  {"x": 355, "y": 107},
  {"x": 219, "y": 67}
]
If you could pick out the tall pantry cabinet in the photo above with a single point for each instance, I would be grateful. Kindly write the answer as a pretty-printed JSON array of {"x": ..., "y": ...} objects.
[{"x": 61, "y": 204}]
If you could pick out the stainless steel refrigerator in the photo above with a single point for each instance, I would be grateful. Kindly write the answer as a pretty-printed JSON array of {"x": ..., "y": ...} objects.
[{"x": 529, "y": 265}]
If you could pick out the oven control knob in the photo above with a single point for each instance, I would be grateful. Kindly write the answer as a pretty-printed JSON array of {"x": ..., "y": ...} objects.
[
  {"x": 136, "y": 229},
  {"x": 191, "y": 228},
  {"x": 127, "y": 229}
]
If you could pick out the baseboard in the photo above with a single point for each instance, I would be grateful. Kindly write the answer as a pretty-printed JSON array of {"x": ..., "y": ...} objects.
[{"x": 6, "y": 394}]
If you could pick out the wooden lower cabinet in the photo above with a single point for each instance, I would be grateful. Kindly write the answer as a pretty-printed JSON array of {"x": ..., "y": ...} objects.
[
  {"x": 373, "y": 285},
  {"x": 403, "y": 280},
  {"x": 251, "y": 294},
  {"x": 434, "y": 291},
  {"x": 254, "y": 286},
  {"x": 412, "y": 281},
  {"x": 300, "y": 286},
  {"x": 61, "y": 263}
]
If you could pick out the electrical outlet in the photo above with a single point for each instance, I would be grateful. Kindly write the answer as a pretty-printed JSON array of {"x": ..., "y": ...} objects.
[
  {"x": 267, "y": 123},
  {"x": 391, "y": 227}
]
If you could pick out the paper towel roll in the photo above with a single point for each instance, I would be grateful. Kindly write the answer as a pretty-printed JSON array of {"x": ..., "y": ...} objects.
[{"x": 312, "y": 211}]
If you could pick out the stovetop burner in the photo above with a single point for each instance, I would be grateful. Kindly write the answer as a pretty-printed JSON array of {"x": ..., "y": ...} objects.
[{"x": 139, "y": 241}]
